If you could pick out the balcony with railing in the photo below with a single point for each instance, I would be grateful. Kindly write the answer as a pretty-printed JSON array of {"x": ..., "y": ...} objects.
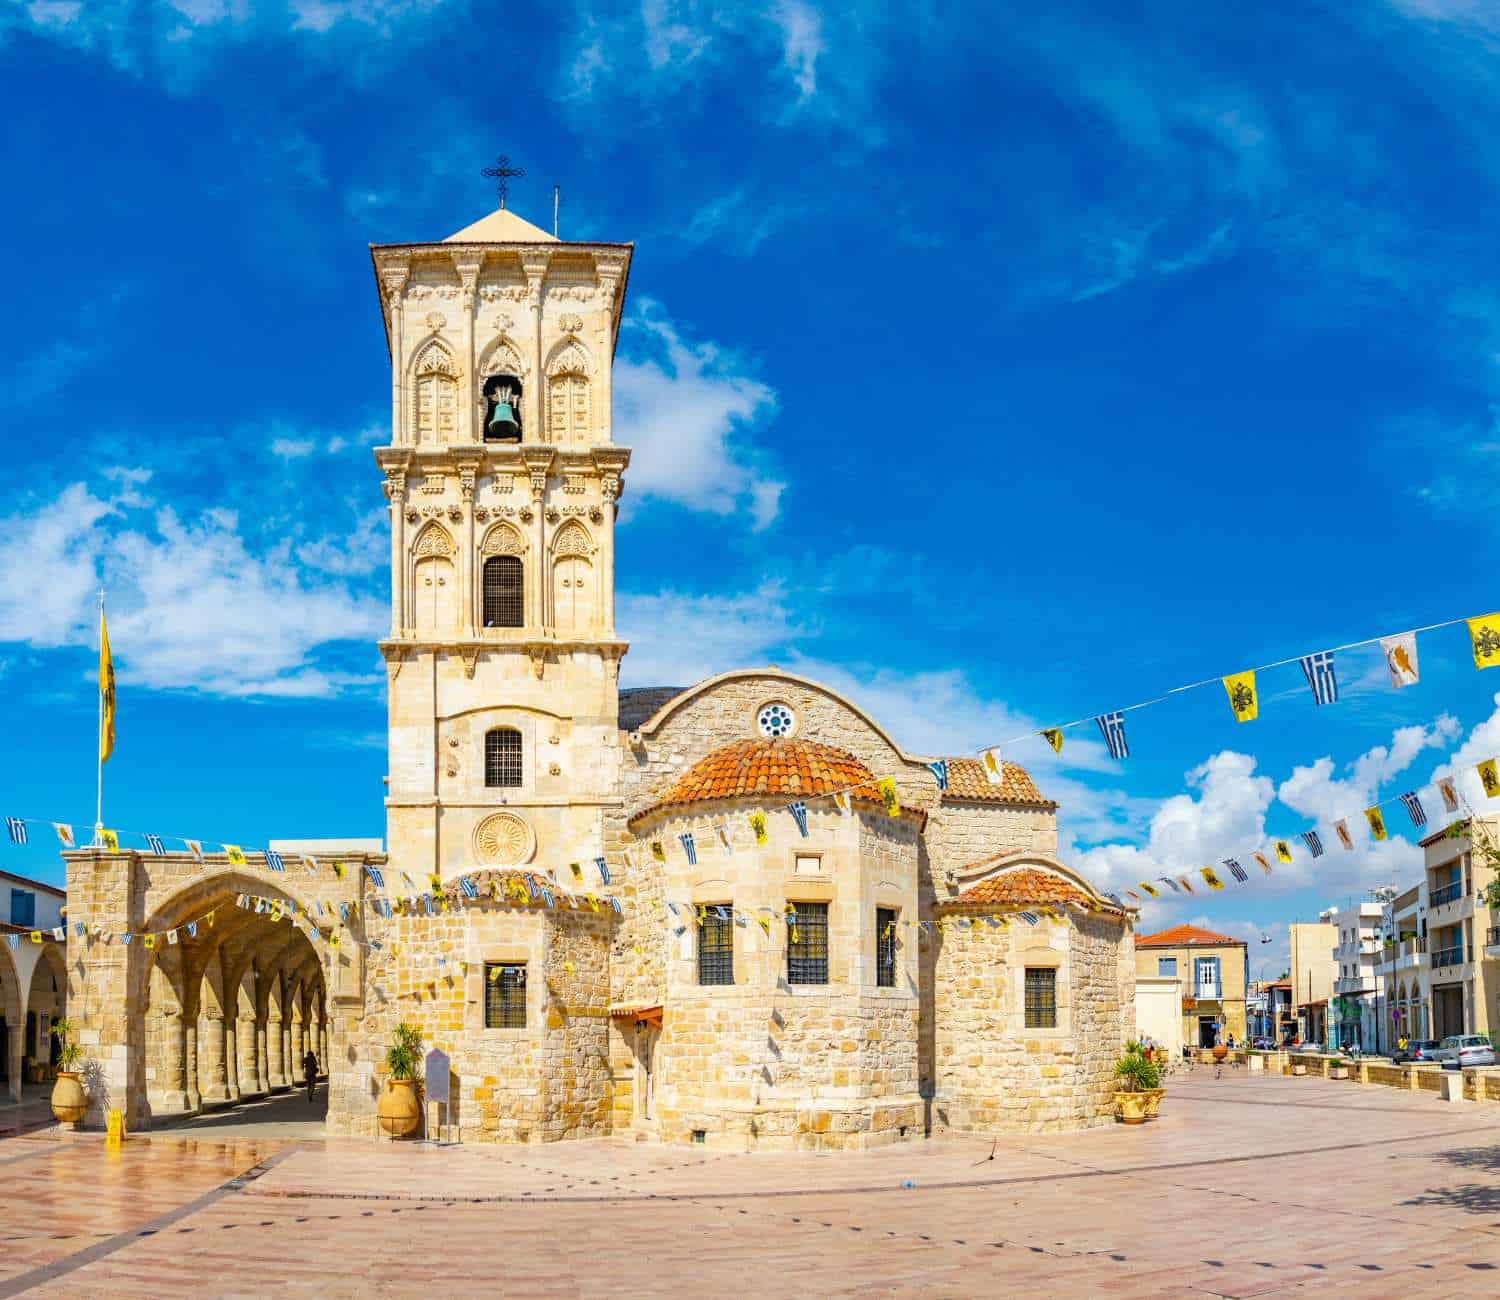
[
  {"x": 1205, "y": 991},
  {"x": 1492, "y": 941},
  {"x": 1360, "y": 983},
  {"x": 1446, "y": 957},
  {"x": 1449, "y": 893}
]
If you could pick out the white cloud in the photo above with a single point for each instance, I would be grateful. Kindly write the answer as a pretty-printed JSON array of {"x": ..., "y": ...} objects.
[
  {"x": 802, "y": 42},
  {"x": 678, "y": 639},
  {"x": 193, "y": 604},
  {"x": 670, "y": 42},
  {"x": 292, "y": 448},
  {"x": 54, "y": 13},
  {"x": 684, "y": 408}
]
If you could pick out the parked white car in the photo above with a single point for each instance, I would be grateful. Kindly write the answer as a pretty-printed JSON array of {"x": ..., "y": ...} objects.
[{"x": 1459, "y": 1051}]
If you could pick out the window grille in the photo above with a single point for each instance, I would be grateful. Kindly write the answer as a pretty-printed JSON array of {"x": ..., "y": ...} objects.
[
  {"x": 885, "y": 947},
  {"x": 503, "y": 592},
  {"x": 807, "y": 944},
  {"x": 1041, "y": 997},
  {"x": 502, "y": 758},
  {"x": 716, "y": 948},
  {"x": 504, "y": 996}
]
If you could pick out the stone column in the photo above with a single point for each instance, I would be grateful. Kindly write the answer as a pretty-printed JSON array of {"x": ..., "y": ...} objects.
[
  {"x": 245, "y": 1039},
  {"x": 467, "y": 266},
  {"x": 535, "y": 266},
  {"x": 468, "y": 581},
  {"x": 299, "y": 1047},
  {"x": 395, "y": 490},
  {"x": 15, "y": 1051},
  {"x": 231, "y": 1057},
  {"x": 276, "y": 1043},
  {"x": 173, "y": 1087},
  {"x": 211, "y": 1068},
  {"x": 262, "y": 1058},
  {"x": 190, "y": 1063},
  {"x": 538, "y": 615}
]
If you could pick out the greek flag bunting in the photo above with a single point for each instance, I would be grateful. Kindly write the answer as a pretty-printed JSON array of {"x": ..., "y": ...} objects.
[
  {"x": 799, "y": 809},
  {"x": 376, "y": 878},
  {"x": 689, "y": 846},
  {"x": 603, "y": 869},
  {"x": 192, "y": 929},
  {"x": 1318, "y": 669},
  {"x": 17, "y": 828},
  {"x": 939, "y": 768},
  {"x": 1413, "y": 807},
  {"x": 273, "y": 860},
  {"x": 1031, "y": 918},
  {"x": 615, "y": 904},
  {"x": 15, "y": 940},
  {"x": 1314, "y": 842},
  {"x": 153, "y": 842},
  {"x": 1235, "y": 870},
  {"x": 547, "y": 897},
  {"x": 1172, "y": 884},
  {"x": 466, "y": 883},
  {"x": 1112, "y": 727}
]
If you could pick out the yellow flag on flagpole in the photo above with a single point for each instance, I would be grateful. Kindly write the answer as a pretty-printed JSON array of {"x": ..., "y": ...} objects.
[
  {"x": 106, "y": 692},
  {"x": 1240, "y": 687}
]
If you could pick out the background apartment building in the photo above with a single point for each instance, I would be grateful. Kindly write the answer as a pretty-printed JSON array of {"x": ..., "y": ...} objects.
[
  {"x": 1312, "y": 971},
  {"x": 1358, "y": 984},
  {"x": 1463, "y": 941}
]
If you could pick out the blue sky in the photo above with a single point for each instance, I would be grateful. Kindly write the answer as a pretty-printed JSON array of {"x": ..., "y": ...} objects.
[{"x": 1000, "y": 370}]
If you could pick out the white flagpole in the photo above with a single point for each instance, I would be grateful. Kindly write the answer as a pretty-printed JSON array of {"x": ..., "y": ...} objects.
[{"x": 99, "y": 734}]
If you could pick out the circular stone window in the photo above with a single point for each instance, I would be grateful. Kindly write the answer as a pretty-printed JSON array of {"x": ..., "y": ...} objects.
[{"x": 775, "y": 721}]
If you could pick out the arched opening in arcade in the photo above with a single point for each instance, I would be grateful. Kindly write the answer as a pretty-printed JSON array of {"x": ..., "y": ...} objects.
[
  {"x": 33, "y": 997},
  {"x": 231, "y": 1000}
]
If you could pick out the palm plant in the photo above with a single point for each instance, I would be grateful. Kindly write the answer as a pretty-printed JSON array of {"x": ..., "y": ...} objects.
[
  {"x": 69, "y": 1053},
  {"x": 1136, "y": 1073},
  {"x": 401, "y": 1057}
]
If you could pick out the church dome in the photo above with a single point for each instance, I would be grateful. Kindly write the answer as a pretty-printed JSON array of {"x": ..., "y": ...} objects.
[{"x": 777, "y": 768}]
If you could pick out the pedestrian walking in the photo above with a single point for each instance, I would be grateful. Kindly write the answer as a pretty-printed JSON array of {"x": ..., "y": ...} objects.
[{"x": 310, "y": 1070}]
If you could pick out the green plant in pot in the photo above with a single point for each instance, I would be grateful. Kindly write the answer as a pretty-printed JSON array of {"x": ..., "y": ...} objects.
[
  {"x": 400, "y": 1109},
  {"x": 69, "y": 1099},
  {"x": 1140, "y": 1092}
]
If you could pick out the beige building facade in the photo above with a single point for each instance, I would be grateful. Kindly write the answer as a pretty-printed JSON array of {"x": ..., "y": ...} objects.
[
  {"x": 736, "y": 913},
  {"x": 1214, "y": 974}
]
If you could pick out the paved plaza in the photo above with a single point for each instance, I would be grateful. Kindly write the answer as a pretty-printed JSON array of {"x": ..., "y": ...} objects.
[{"x": 1247, "y": 1186}]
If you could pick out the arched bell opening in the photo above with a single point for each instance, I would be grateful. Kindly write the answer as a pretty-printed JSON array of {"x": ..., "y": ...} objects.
[{"x": 502, "y": 408}]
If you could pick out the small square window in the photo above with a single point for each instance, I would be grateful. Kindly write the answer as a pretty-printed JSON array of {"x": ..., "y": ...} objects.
[
  {"x": 1041, "y": 997},
  {"x": 504, "y": 995},
  {"x": 1166, "y": 966},
  {"x": 809, "y": 864}
]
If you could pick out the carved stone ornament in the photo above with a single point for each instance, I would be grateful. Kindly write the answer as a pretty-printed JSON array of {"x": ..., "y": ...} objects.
[
  {"x": 502, "y": 357},
  {"x": 432, "y": 485},
  {"x": 436, "y": 360},
  {"x": 412, "y": 516},
  {"x": 502, "y": 539},
  {"x": 554, "y": 769},
  {"x": 435, "y": 320},
  {"x": 538, "y": 484},
  {"x": 395, "y": 486},
  {"x": 609, "y": 485},
  {"x": 394, "y": 660},
  {"x": 481, "y": 513},
  {"x": 552, "y": 515},
  {"x": 455, "y": 514},
  {"x": 571, "y": 360},
  {"x": 596, "y": 515},
  {"x": 538, "y": 659},
  {"x": 503, "y": 840},
  {"x": 572, "y": 541},
  {"x": 525, "y": 515},
  {"x": 470, "y": 655},
  {"x": 571, "y": 323},
  {"x": 432, "y": 541},
  {"x": 572, "y": 293}
]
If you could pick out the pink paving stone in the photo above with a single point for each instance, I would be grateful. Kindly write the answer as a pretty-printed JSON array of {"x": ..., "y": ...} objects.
[{"x": 1248, "y": 1186}]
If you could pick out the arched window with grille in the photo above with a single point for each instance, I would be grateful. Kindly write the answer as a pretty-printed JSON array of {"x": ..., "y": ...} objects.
[
  {"x": 502, "y": 758},
  {"x": 504, "y": 605}
]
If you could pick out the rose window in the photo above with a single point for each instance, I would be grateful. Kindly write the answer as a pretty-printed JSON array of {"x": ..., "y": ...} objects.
[{"x": 775, "y": 720}]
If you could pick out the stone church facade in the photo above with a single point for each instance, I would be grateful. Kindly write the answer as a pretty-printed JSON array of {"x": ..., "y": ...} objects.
[{"x": 689, "y": 913}]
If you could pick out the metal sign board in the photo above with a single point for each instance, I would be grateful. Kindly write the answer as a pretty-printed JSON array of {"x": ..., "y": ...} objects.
[{"x": 437, "y": 1076}]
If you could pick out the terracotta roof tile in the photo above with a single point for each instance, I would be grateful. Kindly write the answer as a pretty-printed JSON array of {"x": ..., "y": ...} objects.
[
  {"x": 966, "y": 780},
  {"x": 1023, "y": 886},
  {"x": 1184, "y": 936},
  {"x": 745, "y": 768}
]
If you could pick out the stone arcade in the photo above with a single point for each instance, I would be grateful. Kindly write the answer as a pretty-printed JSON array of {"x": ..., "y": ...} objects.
[{"x": 779, "y": 991}]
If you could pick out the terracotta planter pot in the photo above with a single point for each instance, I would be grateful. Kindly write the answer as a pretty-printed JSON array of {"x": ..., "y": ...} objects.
[
  {"x": 1153, "y": 1101},
  {"x": 1220, "y": 1052},
  {"x": 69, "y": 1101},
  {"x": 1131, "y": 1107},
  {"x": 399, "y": 1111}
]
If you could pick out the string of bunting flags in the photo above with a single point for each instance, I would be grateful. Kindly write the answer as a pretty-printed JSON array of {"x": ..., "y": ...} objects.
[
  {"x": 1243, "y": 692},
  {"x": 1311, "y": 839}
]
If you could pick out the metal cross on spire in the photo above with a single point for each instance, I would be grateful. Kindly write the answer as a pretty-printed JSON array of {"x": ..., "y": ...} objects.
[{"x": 501, "y": 173}]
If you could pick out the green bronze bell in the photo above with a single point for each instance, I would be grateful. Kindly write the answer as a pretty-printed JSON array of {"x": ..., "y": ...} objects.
[{"x": 503, "y": 423}]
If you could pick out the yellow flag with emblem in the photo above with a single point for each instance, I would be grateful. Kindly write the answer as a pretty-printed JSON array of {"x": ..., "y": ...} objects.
[
  {"x": 235, "y": 854},
  {"x": 1150, "y": 888},
  {"x": 1376, "y": 820},
  {"x": 1054, "y": 737},
  {"x": 1489, "y": 777},
  {"x": 106, "y": 690},
  {"x": 1208, "y": 875},
  {"x": 1484, "y": 634},
  {"x": 887, "y": 787},
  {"x": 1243, "y": 700},
  {"x": 757, "y": 827},
  {"x": 1283, "y": 851},
  {"x": 109, "y": 839}
]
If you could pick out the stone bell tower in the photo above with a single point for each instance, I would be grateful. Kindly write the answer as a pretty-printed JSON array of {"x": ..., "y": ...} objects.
[{"x": 502, "y": 479}]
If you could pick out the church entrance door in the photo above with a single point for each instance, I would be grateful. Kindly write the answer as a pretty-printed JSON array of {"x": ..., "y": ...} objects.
[{"x": 646, "y": 1035}]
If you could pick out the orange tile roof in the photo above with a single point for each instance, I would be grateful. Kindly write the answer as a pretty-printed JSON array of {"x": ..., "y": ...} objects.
[
  {"x": 776, "y": 768},
  {"x": 1184, "y": 936},
  {"x": 1022, "y": 886},
  {"x": 967, "y": 780}
]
